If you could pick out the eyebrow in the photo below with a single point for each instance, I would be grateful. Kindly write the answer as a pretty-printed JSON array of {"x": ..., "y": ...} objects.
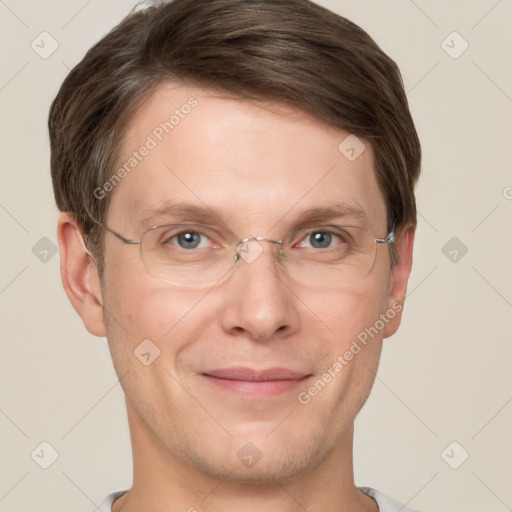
[
  {"x": 337, "y": 210},
  {"x": 205, "y": 215}
]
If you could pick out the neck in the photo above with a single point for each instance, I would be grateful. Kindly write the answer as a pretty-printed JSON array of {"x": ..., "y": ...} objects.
[{"x": 165, "y": 480}]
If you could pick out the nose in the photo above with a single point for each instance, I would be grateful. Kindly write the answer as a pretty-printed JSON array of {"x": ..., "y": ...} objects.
[{"x": 259, "y": 302}]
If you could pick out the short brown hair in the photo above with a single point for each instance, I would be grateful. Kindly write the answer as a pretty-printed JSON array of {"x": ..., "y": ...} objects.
[{"x": 293, "y": 52}]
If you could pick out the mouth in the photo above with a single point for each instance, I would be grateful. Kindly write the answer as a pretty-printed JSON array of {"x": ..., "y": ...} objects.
[{"x": 254, "y": 383}]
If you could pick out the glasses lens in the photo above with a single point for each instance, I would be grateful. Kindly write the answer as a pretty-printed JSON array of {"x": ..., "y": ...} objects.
[
  {"x": 187, "y": 254},
  {"x": 198, "y": 255},
  {"x": 331, "y": 255}
]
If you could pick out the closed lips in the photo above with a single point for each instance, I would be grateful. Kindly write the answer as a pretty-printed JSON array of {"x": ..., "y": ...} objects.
[{"x": 249, "y": 374}]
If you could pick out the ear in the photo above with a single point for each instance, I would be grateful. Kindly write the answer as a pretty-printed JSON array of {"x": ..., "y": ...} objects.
[
  {"x": 80, "y": 276},
  {"x": 399, "y": 278}
]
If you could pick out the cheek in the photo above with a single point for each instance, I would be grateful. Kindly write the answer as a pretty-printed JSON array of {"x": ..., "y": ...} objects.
[
  {"x": 349, "y": 311},
  {"x": 352, "y": 347},
  {"x": 138, "y": 309},
  {"x": 136, "y": 303},
  {"x": 354, "y": 343}
]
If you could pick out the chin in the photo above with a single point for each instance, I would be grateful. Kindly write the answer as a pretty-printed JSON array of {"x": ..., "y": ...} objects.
[{"x": 245, "y": 461}]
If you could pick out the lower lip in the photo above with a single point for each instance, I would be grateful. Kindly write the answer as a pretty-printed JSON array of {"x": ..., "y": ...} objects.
[{"x": 257, "y": 389}]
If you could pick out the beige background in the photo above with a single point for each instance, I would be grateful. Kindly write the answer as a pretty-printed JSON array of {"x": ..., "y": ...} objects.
[{"x": 444, "y": 377}]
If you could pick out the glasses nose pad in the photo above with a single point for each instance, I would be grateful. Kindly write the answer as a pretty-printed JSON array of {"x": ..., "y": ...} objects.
[
  {"x": 248, "y": 251},
  {"x": 251, "y": 252}
]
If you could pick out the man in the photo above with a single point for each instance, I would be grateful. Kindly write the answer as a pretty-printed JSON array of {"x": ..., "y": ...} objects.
[{"x": 236, "y": 181}]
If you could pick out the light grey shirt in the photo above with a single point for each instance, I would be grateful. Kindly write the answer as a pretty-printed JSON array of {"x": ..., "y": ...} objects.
[{"x": 385, "y": 503}]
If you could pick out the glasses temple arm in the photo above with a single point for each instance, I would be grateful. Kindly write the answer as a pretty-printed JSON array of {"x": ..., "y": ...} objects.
[
  {"x": 389, "y": 239},
  {"x": 117, "y": 235}
]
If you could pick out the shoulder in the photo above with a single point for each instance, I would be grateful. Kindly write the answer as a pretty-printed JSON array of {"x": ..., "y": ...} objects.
[
  {"x": 106, "y": 503},
  {"x": 386, "y": 504}
]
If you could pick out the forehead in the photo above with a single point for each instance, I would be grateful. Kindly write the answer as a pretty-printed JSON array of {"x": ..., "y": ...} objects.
[{"x": 253, "y": 164}]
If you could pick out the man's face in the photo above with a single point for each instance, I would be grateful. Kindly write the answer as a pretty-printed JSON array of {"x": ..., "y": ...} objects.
[{"x": 260, "y": 169}]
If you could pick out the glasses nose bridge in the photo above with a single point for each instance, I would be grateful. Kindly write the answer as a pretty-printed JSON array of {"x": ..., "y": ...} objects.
[{"x": 241, "y": 250}]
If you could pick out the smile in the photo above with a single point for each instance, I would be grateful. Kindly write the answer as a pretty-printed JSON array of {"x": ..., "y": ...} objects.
[{"x": 252, "y": 383}]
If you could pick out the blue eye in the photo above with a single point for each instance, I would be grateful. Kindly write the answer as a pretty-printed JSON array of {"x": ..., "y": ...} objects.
[
  {"x": 190, "y": 240},
  {"x": 320, "y": 239}
]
